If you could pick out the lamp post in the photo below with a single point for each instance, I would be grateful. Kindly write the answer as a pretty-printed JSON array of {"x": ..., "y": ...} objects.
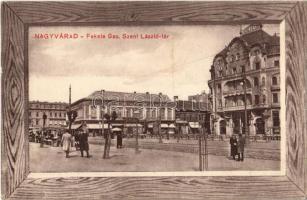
[{"x": 246, "y": 128}]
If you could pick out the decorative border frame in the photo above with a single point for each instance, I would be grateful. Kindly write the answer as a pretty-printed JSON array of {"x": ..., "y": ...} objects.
[{"x": 17, "y": 17}]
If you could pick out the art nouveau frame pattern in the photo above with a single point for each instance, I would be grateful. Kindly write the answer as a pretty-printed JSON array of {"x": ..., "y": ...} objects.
[{"x": 17, "y": 17}]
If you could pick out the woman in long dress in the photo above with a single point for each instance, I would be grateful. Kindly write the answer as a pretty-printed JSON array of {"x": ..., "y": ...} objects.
[{"x": 66, "y": 141}]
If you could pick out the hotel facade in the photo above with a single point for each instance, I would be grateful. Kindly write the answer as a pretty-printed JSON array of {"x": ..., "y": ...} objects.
[
  {"x": 134, "y": 111},
  {"x": 247, "y": 67}
]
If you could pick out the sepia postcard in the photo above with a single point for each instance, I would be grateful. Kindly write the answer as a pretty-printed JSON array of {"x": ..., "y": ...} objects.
[
  {"x": 153, "y": 100},
  {"x": 150, "y": 100}
]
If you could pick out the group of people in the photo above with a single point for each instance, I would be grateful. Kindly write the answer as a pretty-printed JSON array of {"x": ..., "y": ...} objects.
[
  {"x": 237, "y": 147},
  {"x": 81, "y": 138}
]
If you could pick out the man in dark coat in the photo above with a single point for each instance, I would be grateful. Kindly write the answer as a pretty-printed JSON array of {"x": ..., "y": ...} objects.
[
  {"x": 83, "y": 141},
  {"x": 233, "y": 147}
]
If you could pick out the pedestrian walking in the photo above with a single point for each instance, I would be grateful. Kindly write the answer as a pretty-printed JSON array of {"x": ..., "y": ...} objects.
[
  {"x": 233, "y": 147},
  {"x": 241, "y": 144},
  {"x": 83, "y": 141},
  {"x": 66, "y": 142}
]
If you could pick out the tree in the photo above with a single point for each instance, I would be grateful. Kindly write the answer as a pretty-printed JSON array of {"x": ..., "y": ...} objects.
[
  {"x": 72, "y": 115},
  {"x": 107, "y": 145},
  {"x": 111, "y": 119},
  {"x": 107, "y": 137}
]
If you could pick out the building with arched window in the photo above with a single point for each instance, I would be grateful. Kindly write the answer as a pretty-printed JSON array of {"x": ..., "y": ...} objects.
[
  {"x": 247, "y": 67},
  {"x": 135, "y": 111}
]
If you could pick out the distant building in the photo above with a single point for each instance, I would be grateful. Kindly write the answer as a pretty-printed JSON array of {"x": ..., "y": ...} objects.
[
  {"x": 133, "y": 110},
  {"x": 253, "y": 57},
  {"x": 203, "y": 97},
  {"x": 192, "y": 114},
  {"x": 55, "y": 112}
]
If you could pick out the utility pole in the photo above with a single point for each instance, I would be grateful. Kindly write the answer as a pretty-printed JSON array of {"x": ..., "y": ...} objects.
[
  {"x": 43, "y": 131},
  {"x": 246, "y": 128},
  {"x": 137, "y": 137},
  {"x": 214, "y": 98},
  {"x": 206, "y": 136},
  {"x": 160, "y": 137},
  {"x": 102, "y": 113},
  {"x": 200, "y": 148},
  {"x": 69, "y": 108}
]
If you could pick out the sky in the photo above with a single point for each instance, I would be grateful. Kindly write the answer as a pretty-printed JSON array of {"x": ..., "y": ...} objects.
[{"x": 178, "y": 65}]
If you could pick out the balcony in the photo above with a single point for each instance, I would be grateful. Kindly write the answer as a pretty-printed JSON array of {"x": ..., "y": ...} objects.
[
  {"x": 237, "y": 92},
  {"x": 261, "y": 106},
  {"x": 236, "y": 108},
  {"x": 242, "y": 107}
]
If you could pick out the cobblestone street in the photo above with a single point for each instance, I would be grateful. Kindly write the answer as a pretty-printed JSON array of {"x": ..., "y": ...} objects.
[{"x": 52, "y": 159}]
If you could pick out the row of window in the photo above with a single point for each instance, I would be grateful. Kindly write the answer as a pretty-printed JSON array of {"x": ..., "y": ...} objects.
[
  {"x": 274, "y": 81},
  {"x": 135, "y": 113},
  {"x": 48, "y": 106},
  {"x": 240, "y": 102},
  {"x": 51, "y": 114},
  {"x": 237, "y": 86},
  {"x": 241, "y": 69},
  {"x": 38, "y": 122}
]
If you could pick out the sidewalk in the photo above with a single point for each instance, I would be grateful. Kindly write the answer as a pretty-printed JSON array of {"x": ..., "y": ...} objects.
[{"x": 52, "y": 159}]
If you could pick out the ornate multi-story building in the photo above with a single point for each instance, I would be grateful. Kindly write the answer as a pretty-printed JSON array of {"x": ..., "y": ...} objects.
[
  {"x": 55, "y": 115},
  {"x": 132, "y": 109},
  {"x": 247, "y": 67}
]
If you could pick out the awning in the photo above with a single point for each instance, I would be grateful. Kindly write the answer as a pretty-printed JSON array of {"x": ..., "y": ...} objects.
[
  {"x": 164, "y": 126},
  {"x": 116, "y": 129},
  {"x": 181, "y": 122},
  {"x": 171, "y": 126},
  {"x": 97, "y": 126},
  {"x": 133, "y": 125},
  {"x": 117, "y": 125},
  {"x": 74, "y": 126},
  {"x": 194, "y": 124}
]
